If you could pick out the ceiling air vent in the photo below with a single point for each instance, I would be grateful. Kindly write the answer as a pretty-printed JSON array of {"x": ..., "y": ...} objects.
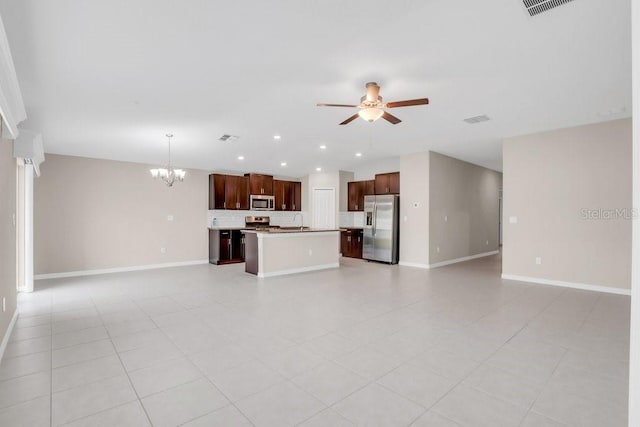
[
  {"x": 535, "y": 7},
  {"x": 227, "y": 137},
  {"x": 477, "y": 119}
]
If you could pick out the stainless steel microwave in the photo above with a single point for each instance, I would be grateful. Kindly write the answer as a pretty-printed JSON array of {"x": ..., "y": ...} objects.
[{"x": 262, "y": 203}]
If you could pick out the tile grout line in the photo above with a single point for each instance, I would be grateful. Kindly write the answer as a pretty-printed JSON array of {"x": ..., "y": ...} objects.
[
  {"x": 202, "y": 373},
  {"x": 126, "y": 373}
]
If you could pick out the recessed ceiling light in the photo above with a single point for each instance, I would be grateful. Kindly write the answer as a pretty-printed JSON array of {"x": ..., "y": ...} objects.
[
  {"x": 358, "y": 154},
  {"x": 318, "y": 169},
  {"x": 240, "y": 157},
  {"x": 276, "y": 136},
  {"x": 323, "y": 147},
  {"x": 283, "y": 163}
]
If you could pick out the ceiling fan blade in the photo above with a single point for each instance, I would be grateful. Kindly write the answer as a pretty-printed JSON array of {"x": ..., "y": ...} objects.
[
  {"x": 391, "y": 118},
  {"x": 409, "y": 103},
  {"x": 336, "y": 105},
  {"x": 350, "y": 119}
]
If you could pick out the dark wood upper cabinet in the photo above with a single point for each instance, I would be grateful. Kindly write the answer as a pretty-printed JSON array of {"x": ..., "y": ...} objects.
[
  {"x": 279, "y": 190},
  {"x": 356, "y": 192},
  {"x": 217, "y": 191},
  {"x": 387, "y": 183},
  {"x": 228, "y": 192},
  {"x": 370, "y": 187},
  {"x": 243, "y": 193},
  {"x": 296, "y": 193},
  {"x": 356, "y": 196},
  {"x": 288, "y": 195},
  {"x": 260, "y": 184}
]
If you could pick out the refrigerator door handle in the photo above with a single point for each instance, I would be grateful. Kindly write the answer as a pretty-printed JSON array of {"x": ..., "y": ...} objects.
[{"x": 373, "y": 227}]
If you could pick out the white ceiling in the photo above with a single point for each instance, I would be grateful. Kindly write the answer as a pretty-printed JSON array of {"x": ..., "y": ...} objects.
[{"x": 108, "y": 79}]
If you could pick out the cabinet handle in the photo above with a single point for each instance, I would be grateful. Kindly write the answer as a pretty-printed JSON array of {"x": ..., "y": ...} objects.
[
  {"x": 294, "y": 206},
  {"x": 224, "y": 205},
  {"x": 348, "y": 238},
  {"x": 237, "y": 205},
  {"x": 356, "y": 207}
]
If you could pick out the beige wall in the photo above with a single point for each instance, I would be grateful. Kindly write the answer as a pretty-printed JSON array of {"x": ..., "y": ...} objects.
[
  {"x": 463, "y": 209},
  {"x": 549, "y": 178},
  {"x": 96, "y": 214},
  {"x": 414, "y": 209},
  {"x": 7, "y": 233}
]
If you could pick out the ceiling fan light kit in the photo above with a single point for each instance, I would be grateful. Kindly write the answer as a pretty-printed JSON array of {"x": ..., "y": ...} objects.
[
  {"x": 372, "y": 107},
  {"x": 371, "y": 114}
]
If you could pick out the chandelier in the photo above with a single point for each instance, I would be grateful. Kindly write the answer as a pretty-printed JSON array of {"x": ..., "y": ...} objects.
[{"x": 168, "y": 175}]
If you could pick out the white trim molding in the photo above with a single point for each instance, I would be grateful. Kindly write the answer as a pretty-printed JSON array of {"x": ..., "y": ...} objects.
[
  {"x": 413, "y": 265},
  {"x": 298, "y": 270},
  {"x": 463, "y": 259},
  {"x": 573, "y": 285},
  {"x": 7, "y": 334},
  {"x": 11, "y": 105},
  {"x": 118, "y": 269}
]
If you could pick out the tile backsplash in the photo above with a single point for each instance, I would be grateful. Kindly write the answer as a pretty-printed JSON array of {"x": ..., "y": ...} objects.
[
  {"x": 232, "y": 218},
  {"x": 351, "y": 219}
]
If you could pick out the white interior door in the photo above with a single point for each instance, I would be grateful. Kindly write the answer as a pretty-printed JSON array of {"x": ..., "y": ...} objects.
[{"x": 324, "y": 208}]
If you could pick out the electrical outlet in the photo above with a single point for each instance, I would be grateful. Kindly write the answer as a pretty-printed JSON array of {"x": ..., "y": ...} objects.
[
  {"x": 4, "y": 304},
  {"x": 14, "y": 219},
  {"x": 487, "y": 243},
  {"x": 405, "y": 218},
  {"x": 310, "y": 252},
  {"x": 438, "y": 249},
  {"x": 513, "y": 220},
  {"x": 446, "y": 218},
  {"x": 538, "y": 260},
  {"x": 163, "y": 250}
]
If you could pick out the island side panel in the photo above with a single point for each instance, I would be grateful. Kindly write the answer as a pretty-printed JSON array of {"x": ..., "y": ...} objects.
[
  {"x": 298, "y": 252},
  {"x": 251, "y": 253}
]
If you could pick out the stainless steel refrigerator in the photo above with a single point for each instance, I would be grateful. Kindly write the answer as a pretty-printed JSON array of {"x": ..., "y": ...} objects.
[{"x": 381, "y": 228}]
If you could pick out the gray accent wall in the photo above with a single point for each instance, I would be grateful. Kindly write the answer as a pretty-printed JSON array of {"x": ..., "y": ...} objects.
[
  {"x": 463, "y": 209},
  {"x": 561, "y": 187}
]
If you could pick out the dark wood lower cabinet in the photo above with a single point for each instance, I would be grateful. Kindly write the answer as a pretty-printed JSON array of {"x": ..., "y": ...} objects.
[
  {"x": 226, "y": 246},
  {"x": 351, "y": 243}
]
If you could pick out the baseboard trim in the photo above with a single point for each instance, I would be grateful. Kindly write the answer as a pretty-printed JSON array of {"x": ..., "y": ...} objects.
[
  {"x": 118, "y": 269},
  {"x": 299, "y": 270},
  {"x": 463, "y": 259},
  {"x": 573, "y": 285},
  {"x": 414, "y": 265},
  {"x": 7, "y": 334}
]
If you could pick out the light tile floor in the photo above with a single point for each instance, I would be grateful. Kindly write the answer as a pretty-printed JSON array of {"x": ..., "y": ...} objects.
[{"x": 366, "y": 344}]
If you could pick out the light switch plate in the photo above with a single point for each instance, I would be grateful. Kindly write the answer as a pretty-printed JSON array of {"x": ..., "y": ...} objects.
[
  {"x": 513, "y": 220},
  {"x": 169, "y": 217}
]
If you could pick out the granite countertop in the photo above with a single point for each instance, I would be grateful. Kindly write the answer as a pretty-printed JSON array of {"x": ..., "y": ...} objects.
[
  {"x": 283, "y": 230},
  {"x": 229, "y": 228}
]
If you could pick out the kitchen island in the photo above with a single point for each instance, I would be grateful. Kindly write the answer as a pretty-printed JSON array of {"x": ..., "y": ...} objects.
[{"x": 281, "y": 251}]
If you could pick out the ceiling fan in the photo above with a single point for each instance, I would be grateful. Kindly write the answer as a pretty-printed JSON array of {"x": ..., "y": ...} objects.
[{"x": 372, "y": 108}]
